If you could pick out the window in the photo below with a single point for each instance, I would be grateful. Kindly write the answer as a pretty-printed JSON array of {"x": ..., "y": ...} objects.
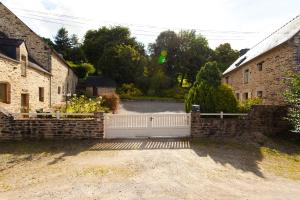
[
  {"x": 41, "y": 94},
  {"x": 237, "y": 96},
  {"x": 298, "y": 55},
  {"x": 95, "y": 91},
  {"x": 23, "y": 65},
  {"x": 227, "y": 80},
  {"x": 246, "y": 76},
  {"x": 260, "y": 66},
  {"x": 245, "y": 96},
  {"x": 259, "y": 94},
  {"x": 58, "y": 90},
  {"x": 4, "y": 93}
]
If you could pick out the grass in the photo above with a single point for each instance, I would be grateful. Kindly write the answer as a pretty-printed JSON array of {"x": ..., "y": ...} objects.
[{"x": 106, "y": 171}]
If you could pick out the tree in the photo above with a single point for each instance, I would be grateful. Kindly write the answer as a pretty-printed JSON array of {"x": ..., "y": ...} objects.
[
  {"x": 292, "y": 97},
  {"x": 225, "y": 56},
  {"x": 209, "y": 93},
  {"x": 49, "y": 42},
  {"x": 123, "y": 63},
  {"x": 115, "y": 53},
  {"x": 62, "y": 42},
  {"x": 74, "y": 41},
  {"x": 182, "y": 53}
]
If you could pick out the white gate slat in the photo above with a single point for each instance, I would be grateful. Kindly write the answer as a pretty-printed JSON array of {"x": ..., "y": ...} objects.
[{"x": 146, "y": 125}]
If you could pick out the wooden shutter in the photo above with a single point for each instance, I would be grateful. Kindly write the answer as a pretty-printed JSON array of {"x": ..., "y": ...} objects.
[{"x": 8, "y": 93}]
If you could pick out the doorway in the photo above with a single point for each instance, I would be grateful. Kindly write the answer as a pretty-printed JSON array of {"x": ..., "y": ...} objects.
[{"x": 24, "y": 103}]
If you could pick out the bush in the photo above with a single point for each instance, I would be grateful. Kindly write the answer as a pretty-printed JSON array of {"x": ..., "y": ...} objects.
[
  {"x": 128, "y": 90},
  {"x": 208, "y": 92},
  {"x": 111, "y": 101},
  {"x": 245, "y": 106},
  {"x": 292, "y": 97},
  {"x": 175, "y": 92},
  {"x": 82, "y": 104},
  {"x": 211, "y": 99}
]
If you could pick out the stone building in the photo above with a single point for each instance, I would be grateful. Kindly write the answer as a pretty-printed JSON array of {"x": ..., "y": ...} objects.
[
  {"x": 262, "y": 70},
  {"x": 97, "y": 86},
  {"x": 32, "y": 75}
]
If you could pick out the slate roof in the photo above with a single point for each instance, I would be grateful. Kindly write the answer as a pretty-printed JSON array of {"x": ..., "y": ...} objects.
[
  {"x": 98, "y": 81},
  {"x": 277, "y": 38}
]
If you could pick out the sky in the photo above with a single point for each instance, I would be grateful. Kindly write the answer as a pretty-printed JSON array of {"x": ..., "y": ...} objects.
[{"x": 242, "y": 23}]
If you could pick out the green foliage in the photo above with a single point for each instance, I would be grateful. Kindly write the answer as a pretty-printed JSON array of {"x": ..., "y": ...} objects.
[
  {"x": 176, "y": 92},
  {"x": 209, "y": 74},
  {"x": 208, "y": 92},
  {"x": 111, "y": 101},
  {"x": 224, "y": 55},
  {"x": 82, "y": 69},
  {"x": 82, "y": 104},
  {"x": 62, "y": 41},
  {"x": 128, "y": 90},
  {"x": 292, "y": 97},
  {"x": 246, "y": 105},
  {"x": 115, "y": 53},
  {"x": 183, "y": 53}
]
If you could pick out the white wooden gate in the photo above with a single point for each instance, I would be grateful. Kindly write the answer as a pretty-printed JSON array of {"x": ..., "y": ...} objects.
[{"x": 147, "y": 125}]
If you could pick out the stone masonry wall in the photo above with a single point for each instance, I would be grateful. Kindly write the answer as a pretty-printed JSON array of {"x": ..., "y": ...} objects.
[
  {"x": 270, "y": 80},
  {"x": 64, "y": 78},
  {"x": 11, "y": 129},
  {"x": 10, "y": 72},
  {"x": 268, "y": 120},
  {"x": 13, "y": 27}
]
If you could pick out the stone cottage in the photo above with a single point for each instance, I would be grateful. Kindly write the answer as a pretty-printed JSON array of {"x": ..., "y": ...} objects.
[
  {"x": 97, "y": 86},
  {"x": 32, "y": 75},
  {"x": 262, "y": 70}
]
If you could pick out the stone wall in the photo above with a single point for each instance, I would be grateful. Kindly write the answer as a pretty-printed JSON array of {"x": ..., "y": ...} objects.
[
  {"x": 63, "y": 77},
  {"x": 276, "y": 64},
  {"x": 11, "y": 129},
  {"x": 10, "y": 72},
  {"x": 13, "y": 27},
  {"x": 267, "y": 120}
]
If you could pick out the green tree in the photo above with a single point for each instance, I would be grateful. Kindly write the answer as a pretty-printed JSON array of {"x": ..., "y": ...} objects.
[
  {"x": 209, "y": 93},
  {"x": 62, "y": 41},
  {"x": 225, "y": 56},
  {"x": 292, "y": 97},
  {"x": 49, "y": 42},
  {"x": 115, "y": 53}
]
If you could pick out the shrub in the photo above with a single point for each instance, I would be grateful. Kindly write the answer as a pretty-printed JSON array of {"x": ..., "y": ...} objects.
[
  {"x": 82, "y": 104},
  {"x": 175, "y": 92},
  {"x": 245, "y": 106},
  {"x": 208, "y": 92},
  {"x": 292, "y": 97},
  {"x": 211, "y": 99},
  {"x": 129, "y": 90},
  {"x": 111, "y": 101}
]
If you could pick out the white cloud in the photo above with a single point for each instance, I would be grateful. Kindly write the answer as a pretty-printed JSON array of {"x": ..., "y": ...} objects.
[{"x": 262, "y": 16}]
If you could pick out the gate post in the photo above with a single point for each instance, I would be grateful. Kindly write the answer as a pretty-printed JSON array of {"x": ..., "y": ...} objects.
[{"x": 99, "y": 118}]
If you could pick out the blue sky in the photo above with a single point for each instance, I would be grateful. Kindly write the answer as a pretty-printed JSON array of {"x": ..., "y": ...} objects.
[{"x": 242, "y": 23}]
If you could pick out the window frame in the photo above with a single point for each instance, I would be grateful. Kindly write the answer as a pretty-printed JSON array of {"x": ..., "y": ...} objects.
[
  {"x": 246, "y": 81},
  {"x": 298, "y": 55},
  {"x": 237, "y": 96},
  {"x": 260, "y": 66},
  {"x": 23, "y": 65},
  {"x": 58, "y": 90},
  {"x": 7, "y": 92},
  {"x": 257, "y": 94},
  {"x": 41, "y": 94},
  {"x": 245, "y": 96}
]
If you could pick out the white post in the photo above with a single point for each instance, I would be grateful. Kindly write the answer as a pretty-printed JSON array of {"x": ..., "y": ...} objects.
[
  {"x": 222, "y": 116},
  {"x": 57, "y": 115}
]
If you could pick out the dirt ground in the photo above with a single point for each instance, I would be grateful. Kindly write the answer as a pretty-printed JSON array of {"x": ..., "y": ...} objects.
[{"x": 147, "y": 169}]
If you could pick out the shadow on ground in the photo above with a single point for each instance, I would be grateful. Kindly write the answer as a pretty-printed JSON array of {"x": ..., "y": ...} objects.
[{"x": 240, "y": 156}]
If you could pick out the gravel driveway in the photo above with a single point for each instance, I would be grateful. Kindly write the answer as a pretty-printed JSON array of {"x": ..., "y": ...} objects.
[
  {"x": 134, "y": 107},
  {"x": 143, "y": 169}
]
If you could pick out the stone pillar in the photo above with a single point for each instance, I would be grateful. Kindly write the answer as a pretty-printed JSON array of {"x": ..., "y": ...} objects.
[
  {"x": 99, "y": 118},
  {"x": 195, "y": 123}
]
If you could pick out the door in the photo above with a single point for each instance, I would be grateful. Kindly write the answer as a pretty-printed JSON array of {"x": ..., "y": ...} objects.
[
  {"x": 147, "y": 125},
  {"x": 24, "y": 103}
]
